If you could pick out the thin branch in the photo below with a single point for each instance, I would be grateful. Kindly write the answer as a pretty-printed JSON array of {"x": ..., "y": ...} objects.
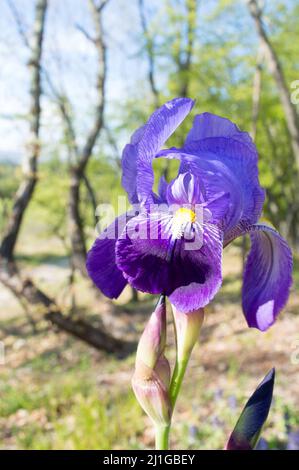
[
  {"x": 20, "y": 25},
  {"x": 149, "y": 46},
  {"x": 85, "y": 33},
  {"x": 91, "y": 195},
  {"x": 256, "y": 92},
  {"x": 113, "y": 145}
]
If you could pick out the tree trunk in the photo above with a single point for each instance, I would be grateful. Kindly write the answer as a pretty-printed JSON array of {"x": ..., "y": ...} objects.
[
  {"x": 26, "y": 290},
  {"x": 25, "y": 191},
  {"x": 77, "y": 172},
  {"x": 75, "y": 225},
  {"x": 277, "y": 71},
  {"x": 185, "y": 65}
]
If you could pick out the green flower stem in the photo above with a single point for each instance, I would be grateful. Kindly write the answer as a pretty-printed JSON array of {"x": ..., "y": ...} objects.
[
  {"x": 177, "y": 379},
  {"x": 186, "y": 328},
  {"x": 162, "y": 432},
  {"x": 162, "y": 437}
]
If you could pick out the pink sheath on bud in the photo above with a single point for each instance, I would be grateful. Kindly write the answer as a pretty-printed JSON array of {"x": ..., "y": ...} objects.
[
  {"x": 152, "y": 342},
  {"x": 163, "y": 370},
  {"x": 187, "y": 326},
  {"x": 151, "y": 379},
  {"x": 152, "y": 395}
]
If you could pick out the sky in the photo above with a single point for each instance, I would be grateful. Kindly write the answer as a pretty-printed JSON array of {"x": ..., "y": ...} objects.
[{"x": 69, "y": 59}]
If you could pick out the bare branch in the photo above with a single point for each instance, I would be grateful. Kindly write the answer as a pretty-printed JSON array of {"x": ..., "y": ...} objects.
[
  {"x": 100, "y": 5},
  {"x": 20, "y": 25},
  {"x": 149, "y": 46},
  {"x": 113, "y": 145},
  {"x": 85, "y": 33},
  {"x": 76, "y": 231},
  {"x": 91, "y": 195},
  {"x": 256, "y": 92}
]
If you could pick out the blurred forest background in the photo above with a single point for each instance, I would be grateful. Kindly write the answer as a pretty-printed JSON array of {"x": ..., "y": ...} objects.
[{"x": 76, "y": 79}]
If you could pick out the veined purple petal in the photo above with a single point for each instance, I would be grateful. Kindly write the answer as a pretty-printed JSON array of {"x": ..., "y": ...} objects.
[
  {"x": 137, "y": 156},
  {"x": 215, "y": 137},
  {"x": 159, "y": 264},
  {"x": 208, "y": 125},
  {"x": 209, "y": 258},
  {"x": 218, "y": 207},
  {"x": 215, "y": 179},
  {"x": 185, "y": 189},
  {"x": 101, "y": 265},
  {"x": 212, "y": 139},
  {"x": 267, "y": 276},
  {"x": 162, "y": 189}
]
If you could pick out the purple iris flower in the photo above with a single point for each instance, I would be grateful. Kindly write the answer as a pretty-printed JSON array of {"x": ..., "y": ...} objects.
[{"x": 215, "y": 198}]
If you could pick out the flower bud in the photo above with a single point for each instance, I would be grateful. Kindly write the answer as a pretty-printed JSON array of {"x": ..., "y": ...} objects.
[
  {"x": 151, "y": 379},
  {"x": 163, "y": 370},
  {"x": 152, "y": 395},
  {"x": 187, "y": 330},
  {"x": 152, "y": 342}
]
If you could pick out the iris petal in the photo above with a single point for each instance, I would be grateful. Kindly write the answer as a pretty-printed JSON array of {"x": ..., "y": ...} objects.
[
  {"x": 138, "y": 178},
  {"x": 213, "y": 136},
  {"x": 215, "y": 139},
  {"x": 101, "y": 265},
  {"x": 215, "y": 178},
  {"x": 160, "y": 265},
  {"x": 208, "y": 125},
  {"x": 185, "y": 189},
  {"x": 267, "y": 276}
]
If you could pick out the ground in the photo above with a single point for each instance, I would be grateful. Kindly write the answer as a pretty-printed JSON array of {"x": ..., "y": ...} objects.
[{"x": 58, "y": 393}]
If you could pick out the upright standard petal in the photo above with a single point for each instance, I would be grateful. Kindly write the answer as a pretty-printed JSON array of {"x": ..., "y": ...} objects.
[
  {"x": 214, "y": 137},
  {"x": 216, "y": 180},
  {"x": 185, "y": 189},
  {"x": 137, "y": 156},
  {"x": 267, "y": 276},
  {"x": 101, "y": 265}
]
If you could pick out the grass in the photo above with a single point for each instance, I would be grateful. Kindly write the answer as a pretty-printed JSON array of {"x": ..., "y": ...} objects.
[
  {"x": 57, "y": 393},
  {"x": 64, "y": 406},
  {"x": 66, "y": 410}
]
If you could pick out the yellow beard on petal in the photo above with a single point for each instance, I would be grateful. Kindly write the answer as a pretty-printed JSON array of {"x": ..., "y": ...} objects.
[{"x": 181, "y": 218}]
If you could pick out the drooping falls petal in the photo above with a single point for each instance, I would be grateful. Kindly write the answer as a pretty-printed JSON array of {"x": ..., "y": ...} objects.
[
  {"x": 137, "y": 156},
  {"x": 267, "y": 276},
  {"x": 186, "y": 270},
  {"x": 100, "y": 263},
  {"x": 195, "y": 294}
]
